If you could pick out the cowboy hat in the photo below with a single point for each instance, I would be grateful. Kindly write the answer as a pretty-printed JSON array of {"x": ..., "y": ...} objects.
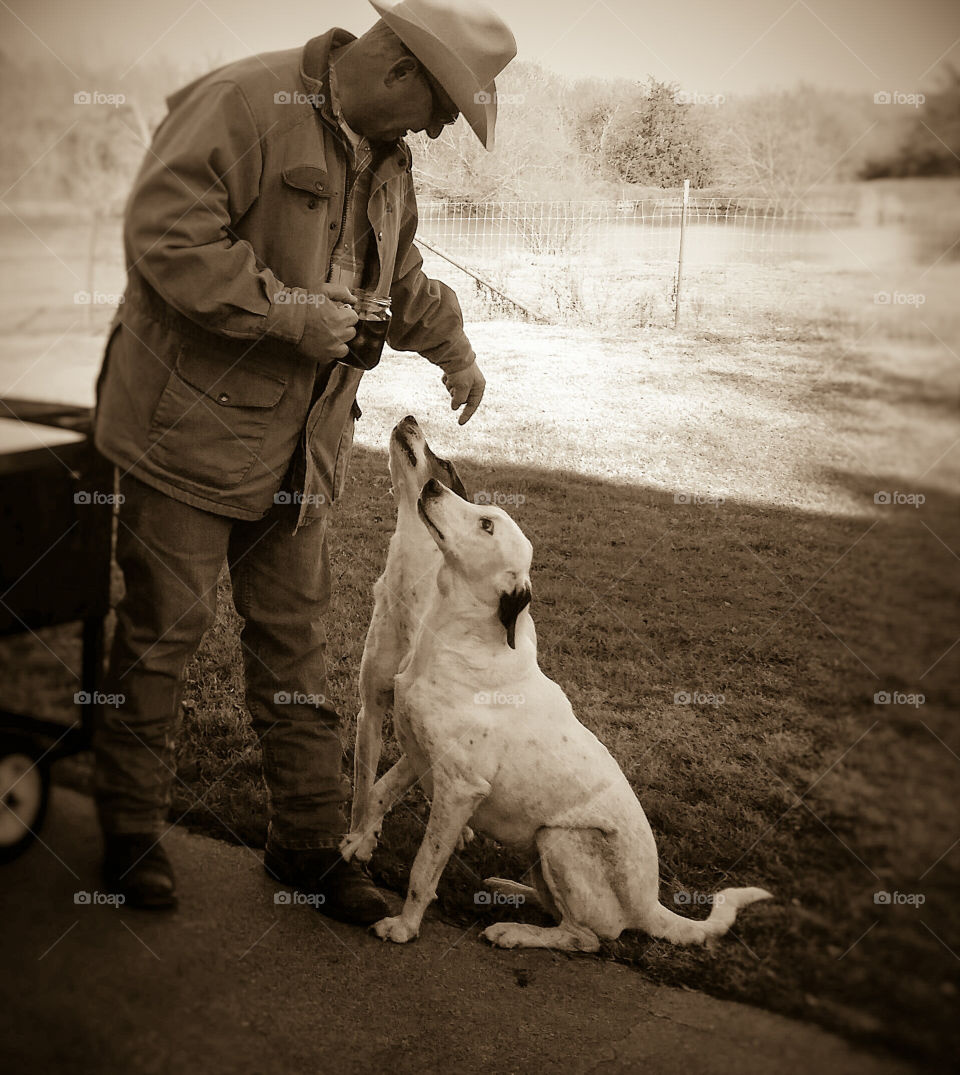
[{"x": 463, "y": 44}]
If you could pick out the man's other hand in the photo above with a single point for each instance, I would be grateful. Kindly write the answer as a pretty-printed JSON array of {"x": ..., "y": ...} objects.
[
  {"x": 465, "y": 387},
  {"x": 329, "y": 323}
]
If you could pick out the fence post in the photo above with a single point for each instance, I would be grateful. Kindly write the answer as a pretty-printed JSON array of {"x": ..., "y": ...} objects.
[{"x": 683, "y": 234}]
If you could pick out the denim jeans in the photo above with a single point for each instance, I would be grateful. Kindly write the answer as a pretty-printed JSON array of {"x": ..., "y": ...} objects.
[{"x": 171, "y": 555}]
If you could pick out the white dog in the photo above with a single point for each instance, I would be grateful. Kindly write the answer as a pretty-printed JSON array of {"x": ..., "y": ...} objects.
[
  {"x": 495, "y": 743},
  {"x": 401, "y": 596}
]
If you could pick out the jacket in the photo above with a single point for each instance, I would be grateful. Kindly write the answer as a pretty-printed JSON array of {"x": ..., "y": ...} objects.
[{"x": 205, "y": 392}]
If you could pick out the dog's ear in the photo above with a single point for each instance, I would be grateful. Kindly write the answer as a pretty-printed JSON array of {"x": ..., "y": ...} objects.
[
  {"x": 454, "y": 483},
  {"x": 512, "y": 603}
]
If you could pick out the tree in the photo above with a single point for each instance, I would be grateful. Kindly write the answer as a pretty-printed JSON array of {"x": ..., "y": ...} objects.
[{"x": 656, "y": 139}]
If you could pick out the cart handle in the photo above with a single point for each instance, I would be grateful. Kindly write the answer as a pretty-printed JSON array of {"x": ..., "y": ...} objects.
[{"x": 59, "y": 415}]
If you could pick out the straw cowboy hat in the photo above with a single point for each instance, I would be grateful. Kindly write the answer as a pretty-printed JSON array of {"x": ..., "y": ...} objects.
[{"x": 463, "y": 44}]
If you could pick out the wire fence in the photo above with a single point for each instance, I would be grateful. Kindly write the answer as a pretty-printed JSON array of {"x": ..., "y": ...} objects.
[{"x": 562, "y": 258}]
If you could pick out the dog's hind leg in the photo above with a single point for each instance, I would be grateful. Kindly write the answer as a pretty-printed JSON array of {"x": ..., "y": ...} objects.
[{"x": 575, "y": 874}]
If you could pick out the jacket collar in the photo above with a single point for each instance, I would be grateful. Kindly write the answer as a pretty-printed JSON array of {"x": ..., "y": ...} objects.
[{"x": 394, "y": 157}]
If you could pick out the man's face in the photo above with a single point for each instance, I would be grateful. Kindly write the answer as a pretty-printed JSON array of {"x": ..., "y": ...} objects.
[{"x": 406, "y": 99}]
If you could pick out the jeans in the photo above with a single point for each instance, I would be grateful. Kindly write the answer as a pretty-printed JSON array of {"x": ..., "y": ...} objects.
[{"x": 171, "y": 555}]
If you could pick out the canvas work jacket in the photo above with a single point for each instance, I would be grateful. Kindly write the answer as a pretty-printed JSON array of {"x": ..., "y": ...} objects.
[{"x": 205, "y": 391}]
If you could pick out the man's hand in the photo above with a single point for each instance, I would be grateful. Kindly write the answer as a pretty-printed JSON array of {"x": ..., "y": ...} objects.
[
  {"x": 465, "y": 386},
  {"x": 330, "y": 323}
]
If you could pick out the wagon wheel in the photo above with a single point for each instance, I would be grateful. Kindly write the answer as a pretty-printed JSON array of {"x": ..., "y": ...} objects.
[{"x": 24, "y": 792}]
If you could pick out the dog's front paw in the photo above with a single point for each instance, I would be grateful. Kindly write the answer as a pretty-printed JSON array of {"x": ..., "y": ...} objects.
[
  {"x": 394, "y": 929},
  {"x": 466, "y": 836},
  {"x": 358, "y": 845}
]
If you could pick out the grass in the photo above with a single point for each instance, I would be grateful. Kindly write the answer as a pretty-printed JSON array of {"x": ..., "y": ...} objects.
[{"x": 791, "y": 593}]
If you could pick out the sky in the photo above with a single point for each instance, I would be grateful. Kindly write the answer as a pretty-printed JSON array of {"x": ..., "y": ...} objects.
[{"x": 709, "y": 48}]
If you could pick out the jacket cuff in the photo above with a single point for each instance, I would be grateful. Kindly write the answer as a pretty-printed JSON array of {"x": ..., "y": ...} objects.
[
  {"x": 452, "y": 357},
  {"x": 287, "y": 316}
]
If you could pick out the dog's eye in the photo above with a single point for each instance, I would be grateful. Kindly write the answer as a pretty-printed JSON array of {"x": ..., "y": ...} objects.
[{"x": 486, "y": 524}]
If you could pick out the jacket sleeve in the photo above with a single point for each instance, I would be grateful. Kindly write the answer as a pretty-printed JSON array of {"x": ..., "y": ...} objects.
[
  {"x": 426, "y": 313},
  {"x": 200, "y": 175}
]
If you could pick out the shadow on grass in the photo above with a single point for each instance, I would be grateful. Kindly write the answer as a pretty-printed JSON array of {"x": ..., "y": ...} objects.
[{"x": 782, "y": 771}]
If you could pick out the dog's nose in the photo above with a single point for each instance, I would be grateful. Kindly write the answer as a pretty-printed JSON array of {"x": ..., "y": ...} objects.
[{"x": 433, "y": 488}]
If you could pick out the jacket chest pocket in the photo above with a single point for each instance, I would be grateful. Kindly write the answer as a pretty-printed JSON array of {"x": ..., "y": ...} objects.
[
  {"x": 212, "y": 417},
  {"x": 307, "y": 188}
]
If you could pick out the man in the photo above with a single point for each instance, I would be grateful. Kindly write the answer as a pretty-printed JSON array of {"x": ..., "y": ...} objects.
[{"x": 274, "y": 187}]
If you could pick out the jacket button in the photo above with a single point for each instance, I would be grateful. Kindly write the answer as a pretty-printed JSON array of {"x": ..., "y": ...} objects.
[
  {"x": 319, "y": 186},
  {"x": 223, "y": 398},
  {"x": 333, "y": 225},
  {"x": 312, "y": 203},
  {"x": 379, "y": 236}
]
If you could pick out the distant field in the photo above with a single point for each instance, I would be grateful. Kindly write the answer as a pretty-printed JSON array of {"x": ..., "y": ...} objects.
[{"x": 792, "y": 594}]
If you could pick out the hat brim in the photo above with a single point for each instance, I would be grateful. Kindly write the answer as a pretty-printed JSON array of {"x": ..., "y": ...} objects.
[{"x": 477, "y": 103}]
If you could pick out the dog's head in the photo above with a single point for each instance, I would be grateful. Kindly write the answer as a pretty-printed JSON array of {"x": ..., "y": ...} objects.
[
  {"x": 484, "y": 548},
  {"x": 412, "y": 463}
]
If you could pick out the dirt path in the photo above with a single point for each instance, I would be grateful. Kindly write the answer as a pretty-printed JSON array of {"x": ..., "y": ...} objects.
[{"x": 234, "y": 982}]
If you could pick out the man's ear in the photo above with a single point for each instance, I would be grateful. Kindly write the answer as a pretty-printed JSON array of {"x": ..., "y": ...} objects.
[
  {"x": 512, "y": 603},
  {"x": 401, "y": 70}
]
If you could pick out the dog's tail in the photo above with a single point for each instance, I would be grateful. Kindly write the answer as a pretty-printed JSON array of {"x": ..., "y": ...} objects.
[{"x": 678, "y": 930}]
